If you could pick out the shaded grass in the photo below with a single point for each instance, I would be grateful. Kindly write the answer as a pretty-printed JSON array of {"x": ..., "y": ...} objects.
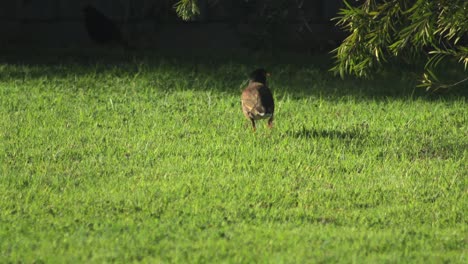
[
  {"x": 152, "y": 161},
  {"x": 304, "y": 75}
]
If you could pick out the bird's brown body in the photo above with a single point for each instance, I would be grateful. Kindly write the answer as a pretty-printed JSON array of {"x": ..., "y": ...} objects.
[{"x": 257, "y": 99}]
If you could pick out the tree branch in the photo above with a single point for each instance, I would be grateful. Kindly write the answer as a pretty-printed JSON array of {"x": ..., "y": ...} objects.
[{"x": 445, "y": 86}]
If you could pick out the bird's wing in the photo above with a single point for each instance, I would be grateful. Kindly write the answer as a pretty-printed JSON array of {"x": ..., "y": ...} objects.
[
  {"x": 267, "y": 99},
  {"x": 251, "y": 99}
]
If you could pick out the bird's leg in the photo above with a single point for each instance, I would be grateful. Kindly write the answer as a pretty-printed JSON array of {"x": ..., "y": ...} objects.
[
  {"x": 253, "y": 124},
  {"x": 270, "y": 122}
]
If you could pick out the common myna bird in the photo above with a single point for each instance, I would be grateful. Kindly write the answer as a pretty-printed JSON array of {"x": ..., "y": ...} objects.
[
  {"x": 102, "y": 29},
  {"x": 257, "y": 100}
]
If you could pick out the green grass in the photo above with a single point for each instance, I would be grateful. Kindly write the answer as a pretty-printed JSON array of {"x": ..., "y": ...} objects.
[{"x": 150, "y": 159}]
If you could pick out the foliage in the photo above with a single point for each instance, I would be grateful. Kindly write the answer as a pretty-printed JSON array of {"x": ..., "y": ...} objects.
[
  {"x": 380, "y": 31},
  {"x": 187, "y": 9},
  {"x": 151, "y": 160}
]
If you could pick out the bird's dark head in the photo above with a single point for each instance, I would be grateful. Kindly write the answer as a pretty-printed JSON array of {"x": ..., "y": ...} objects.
[{"x": 259, "y": 75}]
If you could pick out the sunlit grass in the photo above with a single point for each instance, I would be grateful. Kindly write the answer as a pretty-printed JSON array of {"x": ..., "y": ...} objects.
[{"x": 153, "y": 160}]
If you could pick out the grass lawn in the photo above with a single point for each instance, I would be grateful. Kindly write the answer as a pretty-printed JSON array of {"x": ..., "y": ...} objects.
[{"x": 150, "y": 159}]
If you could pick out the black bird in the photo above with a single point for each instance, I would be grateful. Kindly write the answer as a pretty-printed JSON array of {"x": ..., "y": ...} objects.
[
  {"x": 257, "y": 99},
  {"x": 102, "y": 29}
]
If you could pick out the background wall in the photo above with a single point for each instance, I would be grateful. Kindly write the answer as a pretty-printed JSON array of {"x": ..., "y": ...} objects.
[{"x": 153, "y": 23}]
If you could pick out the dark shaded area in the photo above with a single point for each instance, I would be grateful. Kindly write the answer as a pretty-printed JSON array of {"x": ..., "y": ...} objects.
[
  {"x": 292, "y": 39},
  {"x": 332, "y": 134},
  {"x": 100, "y": 28},
  {"x": 254, "y": 24},
  {"x": 305, "y": 75}
]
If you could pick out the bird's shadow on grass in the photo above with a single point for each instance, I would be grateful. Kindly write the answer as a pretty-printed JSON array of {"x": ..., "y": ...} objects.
[{"x": 311, "y": 133}]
